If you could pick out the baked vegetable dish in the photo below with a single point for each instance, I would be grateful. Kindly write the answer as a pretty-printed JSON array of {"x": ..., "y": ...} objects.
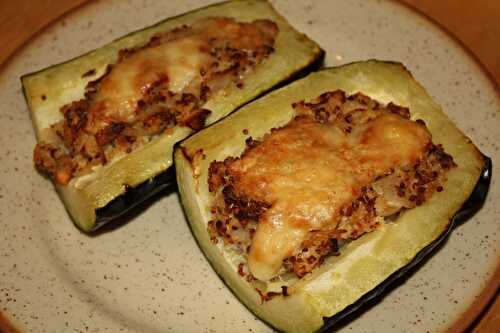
[
  {"x": 310, "y": 198},
  {"x": 107, "y": 121}
]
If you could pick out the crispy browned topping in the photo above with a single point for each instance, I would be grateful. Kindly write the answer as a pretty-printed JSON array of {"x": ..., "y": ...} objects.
[
  {"x": 144, "y": 95},
  {"x": 238, "y": 210}
]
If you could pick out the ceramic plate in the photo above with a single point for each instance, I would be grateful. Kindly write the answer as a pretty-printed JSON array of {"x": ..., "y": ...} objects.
[{"x": 147, "y": 274}]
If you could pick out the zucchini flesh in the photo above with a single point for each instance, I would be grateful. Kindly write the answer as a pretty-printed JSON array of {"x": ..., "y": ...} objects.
[
  {"x": 93, "y": 200},
  {"x": 367, "y": 265}
]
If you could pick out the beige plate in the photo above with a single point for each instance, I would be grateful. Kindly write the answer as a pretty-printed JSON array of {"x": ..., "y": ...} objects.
[{"x": 147, "y": 274}]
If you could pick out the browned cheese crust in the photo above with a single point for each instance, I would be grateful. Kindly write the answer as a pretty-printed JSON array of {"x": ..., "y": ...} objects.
[
  {"x": 151, "y": 89},
  {"x": 331, "y": 174}
]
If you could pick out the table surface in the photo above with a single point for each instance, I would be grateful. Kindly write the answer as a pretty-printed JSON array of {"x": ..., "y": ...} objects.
[{"x": 475, "y": 24}]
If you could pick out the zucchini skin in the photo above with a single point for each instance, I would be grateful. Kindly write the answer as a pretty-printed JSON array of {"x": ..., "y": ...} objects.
[
  {"x": 133, "y": 197},
  {"x": 97, "y": 207},
  {"x": 375, "y": 262},
  {"x": 473, "y": 204}
]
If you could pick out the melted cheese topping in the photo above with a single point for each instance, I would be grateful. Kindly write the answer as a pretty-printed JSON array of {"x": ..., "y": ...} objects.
[
  {"x": 309, "y": 171},
  {"x": 179, "y": 60}
]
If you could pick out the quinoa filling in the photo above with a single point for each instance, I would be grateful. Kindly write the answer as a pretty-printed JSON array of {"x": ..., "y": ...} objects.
[
  {"x": 150, "y": 90},
  {"x": 341, "y": 168}
]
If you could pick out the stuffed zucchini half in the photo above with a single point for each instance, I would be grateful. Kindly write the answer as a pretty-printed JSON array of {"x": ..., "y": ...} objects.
[
  {"x": 310, "y": 200},
  {"x": 106, "y": 122}
]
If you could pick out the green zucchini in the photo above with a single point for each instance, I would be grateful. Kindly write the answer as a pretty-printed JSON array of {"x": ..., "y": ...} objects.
[
  {"x": 109, "y": 191},
  {"x": 368, "y": 264}
]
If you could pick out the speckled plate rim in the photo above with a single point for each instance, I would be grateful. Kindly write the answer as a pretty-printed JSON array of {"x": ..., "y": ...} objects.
[
  {"x": 473, "y": 315},
  {"x": 469, "y": 319}
]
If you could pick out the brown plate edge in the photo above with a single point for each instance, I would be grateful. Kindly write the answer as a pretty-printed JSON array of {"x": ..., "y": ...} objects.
[
  {"x": 71, "y": 7},
  {"x": 6, "y": 326}
]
